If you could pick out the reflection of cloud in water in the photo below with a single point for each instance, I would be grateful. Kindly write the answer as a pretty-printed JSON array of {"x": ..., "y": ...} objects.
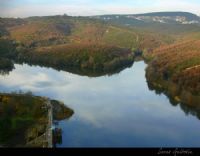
[
  {"x": 25, "y": 77},
  {"x": 49, "y": 83}
]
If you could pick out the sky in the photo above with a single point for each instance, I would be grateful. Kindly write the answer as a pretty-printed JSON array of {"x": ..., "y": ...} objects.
[{"x": 25, "y": 8}]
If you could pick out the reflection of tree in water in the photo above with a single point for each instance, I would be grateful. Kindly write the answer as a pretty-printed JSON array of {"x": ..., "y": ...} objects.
[
  {"x": 82, "y": 71},
  {"x": 193, "y": 109},
  {"x": 6, "y": 65},
  {"x": 57, "y": 136},
  {"x": 5, "y": 71},
  {"x": 60, "y": 112}
]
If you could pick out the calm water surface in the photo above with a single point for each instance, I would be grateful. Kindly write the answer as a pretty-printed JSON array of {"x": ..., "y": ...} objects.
[{"x": 110, "y": 111}]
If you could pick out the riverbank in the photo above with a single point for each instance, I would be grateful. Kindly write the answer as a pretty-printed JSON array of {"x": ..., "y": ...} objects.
[
  {"x": 27, "y": 120},
  {"x": 84, "y": 59},
  {"x": 175, "y": 71}
]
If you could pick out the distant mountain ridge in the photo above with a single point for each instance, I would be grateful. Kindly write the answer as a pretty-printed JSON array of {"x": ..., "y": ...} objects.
[
  {"x": 154, "y": 17},
  {"x": 189, "y": 15}
]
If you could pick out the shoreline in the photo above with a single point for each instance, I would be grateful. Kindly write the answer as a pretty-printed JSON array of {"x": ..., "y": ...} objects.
[{"x": 35, "y": 135}]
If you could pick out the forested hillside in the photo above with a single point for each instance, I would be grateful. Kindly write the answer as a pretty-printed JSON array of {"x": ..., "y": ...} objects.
[
  {"x": 176, "y": 69},
  {"x": 52, "y": 30}
]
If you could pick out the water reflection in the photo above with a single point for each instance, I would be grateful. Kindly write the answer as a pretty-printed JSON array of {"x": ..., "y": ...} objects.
[
  {"x": 59, "y": 113},
  {"x": 6, "y": 71},
  {"x": 6, "y": 66},
  {"x": 111, "y": 111},
  {"x": 192, "y": 108},
  {"x": 83, "y": 71}
]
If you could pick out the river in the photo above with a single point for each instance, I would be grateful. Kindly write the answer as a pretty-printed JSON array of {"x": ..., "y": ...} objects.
[{"x": 109, "y": 111}]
